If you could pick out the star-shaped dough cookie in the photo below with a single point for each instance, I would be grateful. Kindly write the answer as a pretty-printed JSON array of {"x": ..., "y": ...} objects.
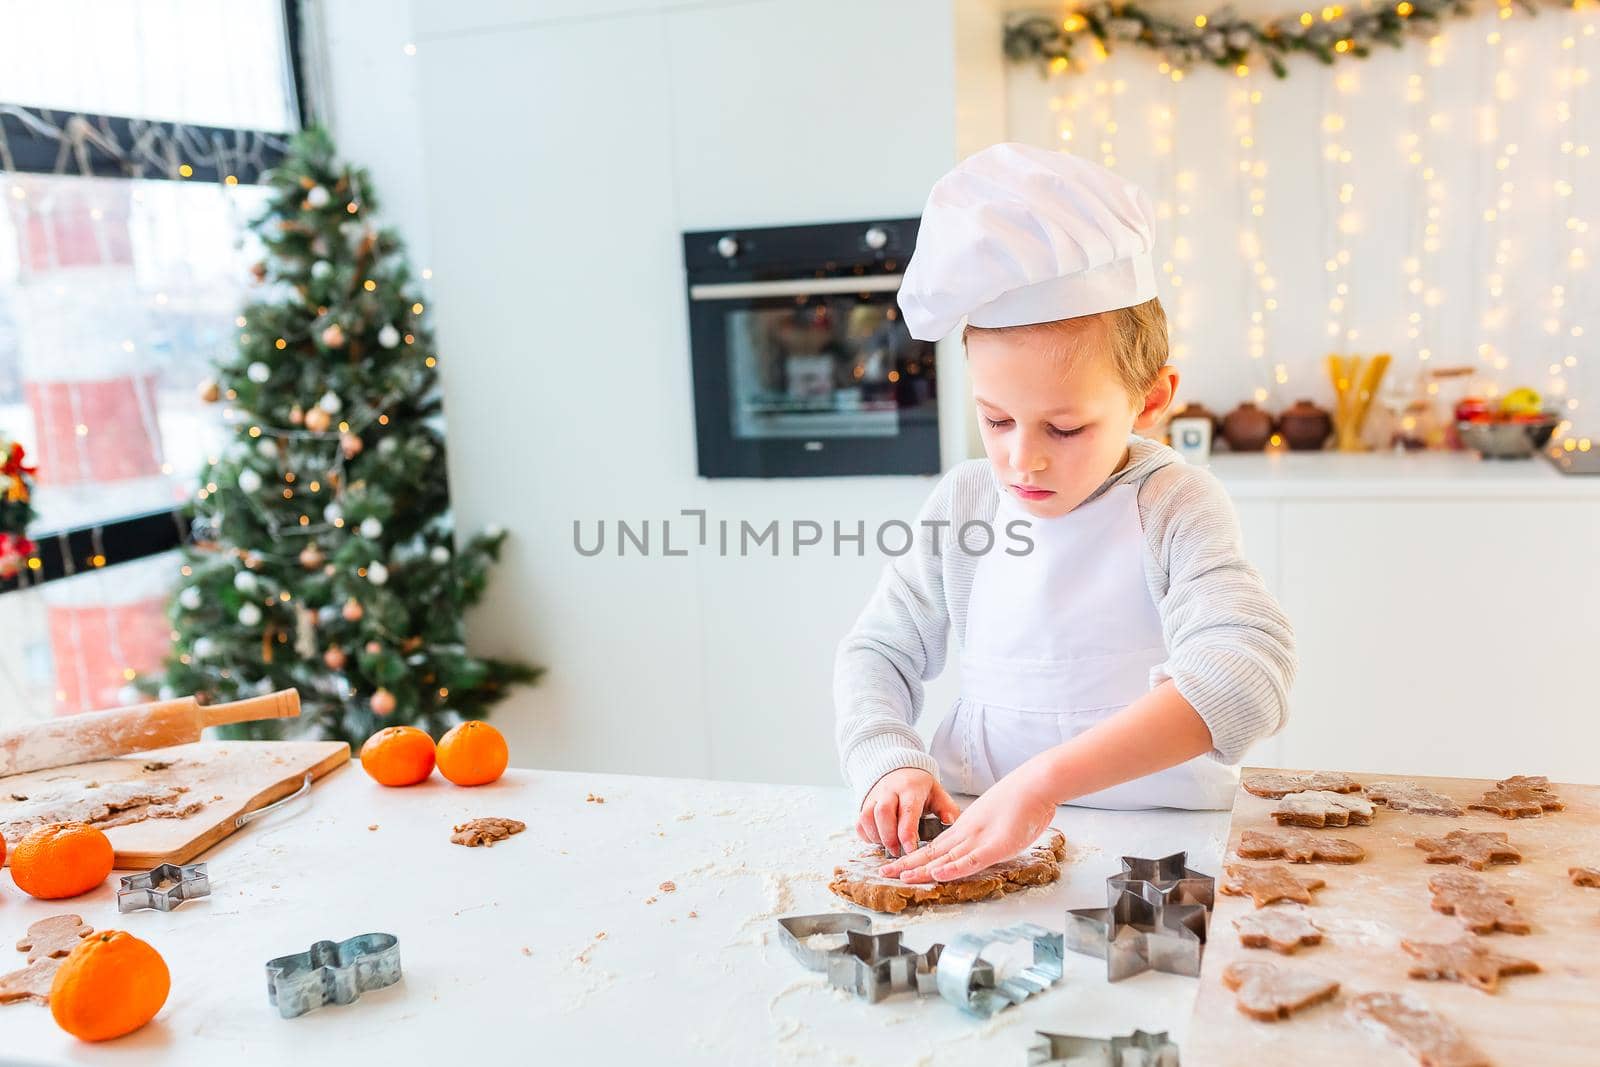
[
  {"x": 1264, "y": 885},
  {"x": 1466, "y": 960},
  {"x": 1470, "y": 848}
]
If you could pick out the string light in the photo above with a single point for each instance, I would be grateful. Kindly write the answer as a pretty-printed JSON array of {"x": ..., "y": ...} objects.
[
  {"x": 1259, "y": 285},
  {"x": 1339, "y": 210}
]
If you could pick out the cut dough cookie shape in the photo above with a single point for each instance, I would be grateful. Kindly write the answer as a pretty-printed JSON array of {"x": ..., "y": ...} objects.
[
  {"x": 53, "y": 937},
  {"x": 475, "y": 832},
  {"x": 1298, "y": 846},
  {"x": 1470, "y": 848},
  {"x": 31, "y": 983},
  {"x": 1434, "y": 1040},
  {"x": 1320, "y": 807},
  {"x": 1481, "y": 907},
  {"x": 1585, "y": 876},
  {"x": 1266, "y": 885},
  {"x": 1269, "y": 992},
  {"x": 1520, "y": 797},
  {"x": 859, "y": 882},
  {"x": 1276, "y": 784},
  {"x": 1467, "y": 960},
  {"x": 1409, "y": 796},
  {"x": 1284, "y": 930}
]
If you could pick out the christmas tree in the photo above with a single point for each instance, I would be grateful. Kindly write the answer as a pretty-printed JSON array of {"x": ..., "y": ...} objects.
[{"x": 324, "y": 556}]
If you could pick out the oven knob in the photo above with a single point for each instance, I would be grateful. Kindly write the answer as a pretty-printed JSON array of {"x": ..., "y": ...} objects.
[
  {"x": 727, "y": 247},
  {"x": 876, "y": 238}
]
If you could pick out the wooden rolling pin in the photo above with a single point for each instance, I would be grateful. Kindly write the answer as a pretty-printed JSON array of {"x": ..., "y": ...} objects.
[{"x": 98, "y": 735}]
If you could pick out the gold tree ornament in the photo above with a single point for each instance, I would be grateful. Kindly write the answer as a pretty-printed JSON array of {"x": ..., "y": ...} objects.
[{"x": 1355, "y": 383}]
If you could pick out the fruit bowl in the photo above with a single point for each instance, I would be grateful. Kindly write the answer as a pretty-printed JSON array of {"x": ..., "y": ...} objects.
[{"x": 1507, "y": 439}]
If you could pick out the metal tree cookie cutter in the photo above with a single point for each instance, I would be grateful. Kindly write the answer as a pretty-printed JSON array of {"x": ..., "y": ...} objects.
[
  {"x": 163, "y": 888},
  {"x": 1168, "y": 878},
  {"x": 970, "y": 982},
  {"x": 332, "y": 973},
  {"x": 1137, "y": 933},
  {"x": 1138, "y": 1049},
  {"x": 869, "y": 965}
]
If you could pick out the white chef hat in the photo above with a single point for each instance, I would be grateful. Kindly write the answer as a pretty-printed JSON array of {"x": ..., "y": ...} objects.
[{"x": 1017, "y": 234}]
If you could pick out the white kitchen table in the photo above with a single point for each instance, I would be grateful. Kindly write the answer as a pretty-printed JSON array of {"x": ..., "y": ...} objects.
[{"x": 558, "y": 945}]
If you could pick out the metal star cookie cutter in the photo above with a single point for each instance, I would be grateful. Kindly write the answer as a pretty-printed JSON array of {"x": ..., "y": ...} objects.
[
  {"x": 1137, "y": 933},
  {"x": 970, "y": 983},
  {"x": 1138, "y": 1049},
  {"x": 163, "y": 888},
  {"x": 1168, "y": 877},
  {"x": 332, "y": 972}
]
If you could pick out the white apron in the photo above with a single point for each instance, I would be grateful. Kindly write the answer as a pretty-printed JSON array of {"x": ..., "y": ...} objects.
[{"x": 1057, "y": 641}]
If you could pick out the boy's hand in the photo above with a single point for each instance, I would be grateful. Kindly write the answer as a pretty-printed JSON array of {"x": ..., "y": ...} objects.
[
  {"x": 894, "y": 804},
  {"x": 1006, "y": 819}
]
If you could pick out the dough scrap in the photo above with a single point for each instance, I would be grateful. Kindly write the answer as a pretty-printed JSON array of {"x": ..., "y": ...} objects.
[
  {"x": 1319, "y": 808},
  {"x": 1277, "y": 784},
  {"x": 1470, "y": 849},
  {"x": 1433, "y": 1039},
  {"x": 1283, "y": 930},
  {"x": 1481, "y": 907},
  {"x": 31, "y": 983},
  {"x": 859, "y": 882},
  {"x": 1409, "y": 796},
  {"x": 1298, "y": 846},
  {"x": 102, "y": 806},
  {"x": 1265, "y": 885},
  {"x": 1467, "y": 960},
  {"x": 53, "y": 937},
  {"x": 1520, "y": 797},
  {"x": 476, "y": 832},
  {"x": 1585, "y": 876},
  {"x": 1269, "y": 992}
]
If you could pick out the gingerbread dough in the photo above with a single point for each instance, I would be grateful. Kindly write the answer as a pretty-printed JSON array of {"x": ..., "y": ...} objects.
[
  {"x": 1520, "y": 797},
  {"x": 1470, "y": 849},
  {"x": 859, "y": 882},
  {"x": 1298, "y": 846},
  {"x": 1269, "y": 992},
  {"x": 1466, "y": 960},
  {"x": 1409, "y": 796},
  {"x": 1476, "y": 903},
  {"x": 31, "y": 983},
  {"x": 1283, "y": 930},
  {"x": 1433, "y": 1039},
  {"x": 1319, "y": 808},
  {"x": 476, "y": 832},
  {"x": 1585, "y": 876},
  {"x": 1267, "y": 884},
  {"x": 1276, "y": 784},
  {"x": 53, "y": 937},
  {"x": 102, "y": 806}
]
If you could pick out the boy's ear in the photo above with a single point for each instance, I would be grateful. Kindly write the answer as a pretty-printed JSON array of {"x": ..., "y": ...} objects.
[{"x": 1158, "y": 399}]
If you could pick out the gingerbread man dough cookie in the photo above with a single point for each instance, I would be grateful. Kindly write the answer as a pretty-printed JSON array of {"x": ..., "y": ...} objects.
[
  {"x": 1470, "y": 849},
  {"x": 1520, "y": 797},
  {"x": 1466, "y": 960},
  {"x": 1476, "y": 903},
  {"x": 1269, "y": 992},
  {"x": 53, "y": 937},
  {"x": 1264, "y": 885},
  {"x": 1276, "y": 784},
  {"x": 1319, "y": 808},
  {"x": 33, "y": 982},
  {"x": 1298, "y": 846},
  {"x": 1433, "y": 1039},
  {"x": 1409, "y": 796},
  {"x": 1282, "y": 930}
]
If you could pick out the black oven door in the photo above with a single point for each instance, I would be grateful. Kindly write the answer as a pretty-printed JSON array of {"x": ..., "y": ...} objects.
[{"x": 810, "y": 377}]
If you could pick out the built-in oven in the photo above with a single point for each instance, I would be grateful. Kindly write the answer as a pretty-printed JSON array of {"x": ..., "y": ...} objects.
[{"x": 802, "y": 365}]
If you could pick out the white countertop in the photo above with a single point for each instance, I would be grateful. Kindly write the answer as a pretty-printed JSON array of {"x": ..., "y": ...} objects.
[
  {"x": 1458, "y": 475},
  {"x": 500, "y": 945}
]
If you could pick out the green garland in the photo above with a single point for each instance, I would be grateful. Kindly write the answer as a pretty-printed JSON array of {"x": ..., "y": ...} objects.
[{"x": 1231, "y": 42}]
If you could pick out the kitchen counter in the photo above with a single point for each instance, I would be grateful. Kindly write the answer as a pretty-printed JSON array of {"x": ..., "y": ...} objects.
[
  {"x": 559, "y": 946},
  {"x": 1411, "y": 475}
]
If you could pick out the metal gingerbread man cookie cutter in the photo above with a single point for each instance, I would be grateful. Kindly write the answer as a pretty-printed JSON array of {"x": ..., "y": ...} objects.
[
  {"x": 163, "y": 888},
  {"x": 1138, "y": 1049},
  {"x": 869, "y": 965},
  {"x": 332, "y": 972}
]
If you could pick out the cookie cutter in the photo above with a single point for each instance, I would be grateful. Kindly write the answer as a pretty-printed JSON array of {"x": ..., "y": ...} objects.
[
  {"x": 872, "y": 966},
  {"x": 1140, "y": 932},
  {"x": 1138, "y": 1049},
  {"x": 163, "y": 888},
  {"x": 795, "y": 930},
  {"x": 969, "y": 982},
  {"x": 332, "y": 972},
  {"x": 1168, "y": 877}
]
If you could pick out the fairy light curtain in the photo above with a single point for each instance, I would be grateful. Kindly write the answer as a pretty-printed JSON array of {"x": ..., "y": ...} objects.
[{"x": 1433, "y": 201}]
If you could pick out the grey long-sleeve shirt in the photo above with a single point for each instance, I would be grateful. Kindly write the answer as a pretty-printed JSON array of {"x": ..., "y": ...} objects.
[{"x": 1230, "y": 648}]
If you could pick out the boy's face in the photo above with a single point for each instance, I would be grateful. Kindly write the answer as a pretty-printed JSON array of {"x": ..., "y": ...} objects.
[{"x": 1053, "y": 414}]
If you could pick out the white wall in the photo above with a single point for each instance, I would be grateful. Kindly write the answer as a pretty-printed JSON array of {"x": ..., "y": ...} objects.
[{"x": 559, "y": 152}]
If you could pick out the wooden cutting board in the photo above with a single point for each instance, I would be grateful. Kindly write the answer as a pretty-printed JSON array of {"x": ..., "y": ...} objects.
[
  {"x": 1548, "y": 1018},
  {"x": 225, "y": 778}
]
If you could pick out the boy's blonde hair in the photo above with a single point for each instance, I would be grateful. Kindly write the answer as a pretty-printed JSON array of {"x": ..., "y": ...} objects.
[{"x": 1138, "y": 341}]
